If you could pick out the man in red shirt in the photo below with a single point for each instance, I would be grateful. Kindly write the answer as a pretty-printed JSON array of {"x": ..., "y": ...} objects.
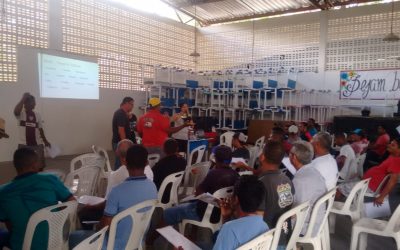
[
  {"x": 390, "y": 166},
  {"x": 154, "y": 128},
  {"x": 376, "y": 151}
]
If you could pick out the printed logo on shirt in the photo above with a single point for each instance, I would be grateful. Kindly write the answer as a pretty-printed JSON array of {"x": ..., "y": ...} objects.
[{"x": 285, "y": 195}]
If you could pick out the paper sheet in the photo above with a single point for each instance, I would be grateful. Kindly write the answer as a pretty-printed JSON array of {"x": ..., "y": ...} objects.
[
  {"x": 235, "y": 160},
  {"x": 177, "y": 239},
  {"x": 288, "y": 165},
  {"x": 90, "y": 200}
]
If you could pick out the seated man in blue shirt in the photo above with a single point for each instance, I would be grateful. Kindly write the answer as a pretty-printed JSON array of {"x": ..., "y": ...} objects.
[
  {"x": 248, "y": 194},
  {"x": 134, "y": 190},
  {"x": 29, "y": 192}
]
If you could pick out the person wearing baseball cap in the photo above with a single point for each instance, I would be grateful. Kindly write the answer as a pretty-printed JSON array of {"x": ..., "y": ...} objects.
[
  {"x": 154, "y": 128},
  {"x": 3, "y": 133},
  {"x": 293, "y": 135},
  {"x": 238, "y": 143}
]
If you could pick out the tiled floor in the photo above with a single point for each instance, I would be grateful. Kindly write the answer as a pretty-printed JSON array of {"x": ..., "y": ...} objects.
[{"x": 339, "y": 241}]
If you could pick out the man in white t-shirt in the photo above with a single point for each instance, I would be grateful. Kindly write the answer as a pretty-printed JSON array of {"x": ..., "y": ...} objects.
[
  {"x": 346, "y": 160},
  {"x": 324, "y": 162},
  {"x": 95, "y": 212},
  {"x": 30, "y": 127}
]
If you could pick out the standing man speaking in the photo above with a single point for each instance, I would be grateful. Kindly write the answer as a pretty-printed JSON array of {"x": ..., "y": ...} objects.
[{"x": 120, "y": 125}]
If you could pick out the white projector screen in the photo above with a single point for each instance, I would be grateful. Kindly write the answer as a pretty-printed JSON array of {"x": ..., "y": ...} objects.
[{"x": 62, "y": 77}]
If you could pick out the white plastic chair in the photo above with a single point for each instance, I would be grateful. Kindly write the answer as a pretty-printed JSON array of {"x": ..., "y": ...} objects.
[
  {"x": 299, "y": 213},
  {"x": 245, "y": 173},
  {"x": 360, "y": 164},
  {"x": 175, "y": 179},
  {"x": 260, "y": 142},
  {"x": 206, "y": 220},
  {"x": 383, "y": 228},
  {"x": 351, "y": 207},
  {"x": 254, "y": 154},
  {"x": 226, "y": 139},
  {"x": 201, "y": 170},
  {"x": 316, "y": 236},
  {"x": 56, "y": 216},
  {"x": 94, "y": 242},
  {"x": 86, "y": 181},
  {"x": 262, "y": 242},
  {"x": 200, "y": 153},
  {"x": 379, "y": 189},
  {"x": 153, "y": 159},
  {"x": 103, "y": 153},
  {"x": 90, "y": 159},
  {"x": 140, "y": 215}
]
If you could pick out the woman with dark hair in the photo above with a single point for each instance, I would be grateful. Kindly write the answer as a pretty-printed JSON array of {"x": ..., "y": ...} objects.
[{"x": 182, "y": 136}]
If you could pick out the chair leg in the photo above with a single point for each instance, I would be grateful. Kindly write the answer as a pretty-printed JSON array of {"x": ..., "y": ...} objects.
[
  {"x": 327, "y": 238},
  {"x": 363, "y": 241},
  {"x": 397, "y": 242},
  {"x": 354, "y": 239},
  {"x": 332, "y": 222}
]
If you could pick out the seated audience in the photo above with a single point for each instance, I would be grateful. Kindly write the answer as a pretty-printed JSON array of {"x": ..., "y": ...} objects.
[
  {"x": 346, "y": 160},
  {"x": 308, "y": 182},
  {"x": 220, "y": 177},
  {"x": 358, "y": 142},
  {"x": 27, "y": 193},
  {"x": 171, "y": 163},
  {"x": 304, "y": 133},
  {"x": 390, "y": 166},
  {"x": 134, "y": 190},
  {"x": 95, "y": 212},
  {"x": 246, "y": 224},
  {"x": 324, "y": 162},
  {"x": 238, "y": 143},
  {"x": 279, "y": 189},
  {"x": 278, "y": 135},
  {"x": 376, "y": 151}
]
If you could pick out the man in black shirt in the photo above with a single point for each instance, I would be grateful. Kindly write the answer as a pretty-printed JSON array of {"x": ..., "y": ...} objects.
[
  {"x": 171, "y": 163},
  {"x": 120, "y": 125},
  {"x": 238, "y": 143}
]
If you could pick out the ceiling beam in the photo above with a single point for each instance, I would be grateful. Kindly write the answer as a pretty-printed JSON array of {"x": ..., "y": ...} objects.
[
  {"x": 316, "y": 4},
  {"x": 189, "y": 3},
  {"x": 200, "y": 21},
  {"x": 352, "y": 2},
  {"x": 260, "y": 15}
]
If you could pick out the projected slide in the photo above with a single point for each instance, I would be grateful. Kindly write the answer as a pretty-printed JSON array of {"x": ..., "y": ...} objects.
[{"x": 61, "y": 77}]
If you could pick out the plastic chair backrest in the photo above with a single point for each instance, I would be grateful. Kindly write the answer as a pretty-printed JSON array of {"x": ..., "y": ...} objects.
[
  {"x": 226, "y": 139},
  {"x": 200, "y": 154},
  {"x": 153, "y": 159},
  {"x": 325, "y": 202},
  {"x": 94, "y": 242},
  {"x": 260, "y": 142},
  {"x": 201, "y": 173},
  {"x": 360, "y": 164},
  {"x": 300, "y": 212},
  {"x": 381, "y": 185},
  {"x": 254, "y": 154},
  {"x": 140, "y": 214},
  {"x": 103, "y": 153},
  {"x": 262, "y": 242},
  {"x": 175, "y": 179},
  {"x": 87, "y": 180},
  {"x": 90, "y": 159},
  {"x": 355, "y": 200},
  {"x": 56, "y": 216},
  {"x": 219, "y": 194}
]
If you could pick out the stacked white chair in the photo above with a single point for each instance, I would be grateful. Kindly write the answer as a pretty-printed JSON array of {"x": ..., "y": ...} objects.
[
  {"x": 319, "y": 237},
  {"x": 175, "y": 179},
  {"x": 206, "y": 220},
  {"x": 105, "y": 172},
  {"x": 140, "y": 215},
  {"x": 383, "y": 228},
  {"x": 94, "y": 242},
  {"x": 262, "y": 242},
  {"x": 353, "y": 206},
  {"x": 299, "y": 212},
  {"x": 103, "y": 153},
  {"x": 57, "y": 217},
  {"x": 195, "y": 173}
]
